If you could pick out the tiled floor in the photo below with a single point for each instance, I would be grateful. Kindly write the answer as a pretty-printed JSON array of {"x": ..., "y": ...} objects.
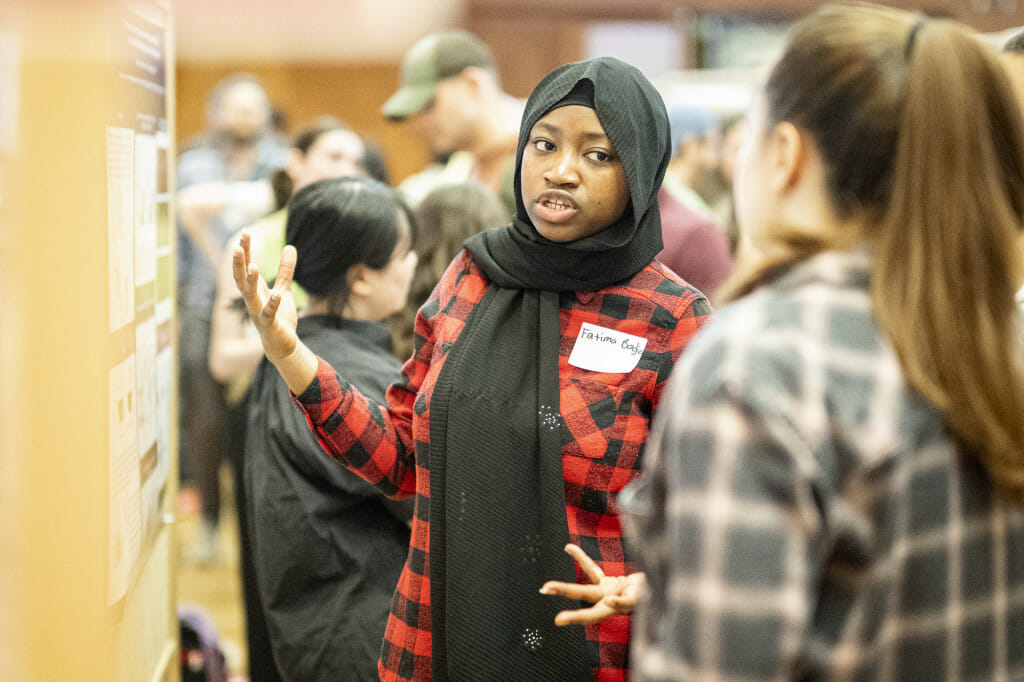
[{"x": 215, "y": 587}]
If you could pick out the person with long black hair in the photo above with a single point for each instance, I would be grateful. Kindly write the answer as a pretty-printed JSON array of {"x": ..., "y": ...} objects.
[
  {"x": 326, "y": 546},
  {"x": 540, "y": 359}
]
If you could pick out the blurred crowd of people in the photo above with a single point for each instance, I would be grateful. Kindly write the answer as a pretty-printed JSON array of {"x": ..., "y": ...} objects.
[{"x": 785, "y": 517}]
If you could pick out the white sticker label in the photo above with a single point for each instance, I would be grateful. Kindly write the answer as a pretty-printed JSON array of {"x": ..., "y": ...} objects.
[{"x": 600, "y": 349}]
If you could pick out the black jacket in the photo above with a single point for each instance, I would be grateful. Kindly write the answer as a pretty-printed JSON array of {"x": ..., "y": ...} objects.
[{"x": 327, "y": 547}]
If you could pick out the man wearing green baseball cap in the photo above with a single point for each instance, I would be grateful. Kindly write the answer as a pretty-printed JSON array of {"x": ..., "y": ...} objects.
[{"x": 450, "y": 91}]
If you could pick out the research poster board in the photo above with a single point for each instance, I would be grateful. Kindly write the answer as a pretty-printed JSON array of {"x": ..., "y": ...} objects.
[
  {"x": 87, "y": 283},
  {"x": 140, "y": 292}
]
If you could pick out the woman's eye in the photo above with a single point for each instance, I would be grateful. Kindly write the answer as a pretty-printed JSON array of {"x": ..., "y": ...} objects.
[
  {"x": 543, "y": 145},
  {"x": 598, "y": 155}
]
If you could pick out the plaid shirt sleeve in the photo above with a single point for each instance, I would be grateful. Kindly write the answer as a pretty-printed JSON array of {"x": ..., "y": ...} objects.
[
  {"x": 375, "y": 440},
  {"x": 365, "y": 436},
  {"x": 729, "y": 542}
]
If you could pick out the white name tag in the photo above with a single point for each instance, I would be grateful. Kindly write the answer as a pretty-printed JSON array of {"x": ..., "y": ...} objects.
[{"x": 600, "y": 349}]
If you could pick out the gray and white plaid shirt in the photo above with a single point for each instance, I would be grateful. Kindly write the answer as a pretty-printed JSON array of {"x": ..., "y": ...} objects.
[{"x": 806, "y": 515}]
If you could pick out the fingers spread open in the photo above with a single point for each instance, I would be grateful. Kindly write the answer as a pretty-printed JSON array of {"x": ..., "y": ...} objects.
[
  {"x": 240, "y": 262},
  {"x": 595, "y": 614},
  {"x": 254, "y": 291},
  {"x": 621, "y": 604},
  {"x": 269, "y": 311},
  {"x": 586, "y": 563},
  {"x": 286, "y": 269},
  {"x": 590, "y": 593}
]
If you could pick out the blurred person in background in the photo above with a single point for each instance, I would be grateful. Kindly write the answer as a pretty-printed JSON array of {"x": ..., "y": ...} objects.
[
  {"x": 716, "y": 185},
  {"x": 445, "y": 218},
  {"x": 695, "y": 247},
  {"x": 712, "y": 182},
  {"x": 451, "y": 93},
  {"x": 222, "y": 184},
  {"x": 834, "y": 488},
  {"x": 696, "y": 144},
  {"x": 279, "y": 124},
  {"x": 326, "y": 148},
  {"x": 326, "y": 545}
]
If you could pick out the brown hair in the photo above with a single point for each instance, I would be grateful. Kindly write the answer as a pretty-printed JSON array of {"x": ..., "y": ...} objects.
[
  {"x": 445, "y": 218},
  {"x": 922, "y": 141}
]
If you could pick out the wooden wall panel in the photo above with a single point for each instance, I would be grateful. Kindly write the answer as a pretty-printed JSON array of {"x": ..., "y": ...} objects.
[
  {"x": 531, "y": 37},
  {"x": 352, "y": 92},
  {"x": 528, "y": 37},
  {"x": 526, "y": 48},
  {"x": 984, "y": 15}
]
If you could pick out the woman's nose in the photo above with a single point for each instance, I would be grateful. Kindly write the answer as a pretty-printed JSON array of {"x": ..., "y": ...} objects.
[{"x": 563, "y": 170}]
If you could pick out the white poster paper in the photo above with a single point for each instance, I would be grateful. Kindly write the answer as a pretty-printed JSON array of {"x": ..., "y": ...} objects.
[
  {"x": 145, "y": 208},
  {"x": 120, "y": 225}
]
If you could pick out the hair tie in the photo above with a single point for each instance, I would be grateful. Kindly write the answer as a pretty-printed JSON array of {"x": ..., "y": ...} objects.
[{"x": 912, "y": 37}]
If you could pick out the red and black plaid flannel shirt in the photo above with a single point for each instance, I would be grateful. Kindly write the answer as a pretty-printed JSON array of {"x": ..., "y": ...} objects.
[{"x": 608, "y": 416}]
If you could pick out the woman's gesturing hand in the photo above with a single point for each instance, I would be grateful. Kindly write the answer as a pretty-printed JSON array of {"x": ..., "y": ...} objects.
[
  {"x": 273, "y": 313},
  {"x": 610, "y": 595}
]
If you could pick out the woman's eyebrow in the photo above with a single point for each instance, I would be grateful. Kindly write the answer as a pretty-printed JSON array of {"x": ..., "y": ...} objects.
[{"x": 598, "y": 135}]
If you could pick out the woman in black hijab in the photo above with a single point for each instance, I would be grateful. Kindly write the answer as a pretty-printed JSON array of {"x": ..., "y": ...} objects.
[{"x": 540, "y": 359}]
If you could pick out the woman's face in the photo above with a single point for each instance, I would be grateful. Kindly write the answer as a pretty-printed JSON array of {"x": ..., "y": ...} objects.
[
  {"x": 572, "y": 180},
  {"x": 335, "y": 154},
  {"x": 390, "y": 284},
  {"x": 755, "y": 208}
]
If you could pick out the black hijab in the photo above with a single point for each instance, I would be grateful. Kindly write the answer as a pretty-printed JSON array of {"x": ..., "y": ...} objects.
[
  {"x": 633, "y": 116},
  {"x": 497, "y": 493}
]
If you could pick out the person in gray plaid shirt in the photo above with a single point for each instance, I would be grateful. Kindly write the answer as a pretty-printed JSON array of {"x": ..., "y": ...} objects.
[{"x": 834, "y": 487}]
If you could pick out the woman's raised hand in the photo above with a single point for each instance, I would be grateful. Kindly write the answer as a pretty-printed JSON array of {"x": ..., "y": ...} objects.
[
  {"x": 610, "y": 595},
  {"x": 273, "y": 313}
]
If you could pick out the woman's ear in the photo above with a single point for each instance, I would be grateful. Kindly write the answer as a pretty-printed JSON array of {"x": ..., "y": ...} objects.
[
  {"x": 789, "y": 155},
  {"x": 359, "y": 283}
]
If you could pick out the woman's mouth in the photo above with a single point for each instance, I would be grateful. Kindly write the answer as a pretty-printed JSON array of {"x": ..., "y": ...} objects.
[{"x": 555, "y": 209}]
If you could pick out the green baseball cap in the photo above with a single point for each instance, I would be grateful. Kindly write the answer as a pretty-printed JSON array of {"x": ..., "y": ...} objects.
[{"x": 431, "y": 60}]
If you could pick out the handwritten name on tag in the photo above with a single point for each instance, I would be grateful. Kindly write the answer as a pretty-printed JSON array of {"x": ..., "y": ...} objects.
[{"x": 600, "y": 349}]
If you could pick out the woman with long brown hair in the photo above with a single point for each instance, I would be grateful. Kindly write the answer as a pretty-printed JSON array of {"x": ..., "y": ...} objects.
[{"x": 835, "y": 486}]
